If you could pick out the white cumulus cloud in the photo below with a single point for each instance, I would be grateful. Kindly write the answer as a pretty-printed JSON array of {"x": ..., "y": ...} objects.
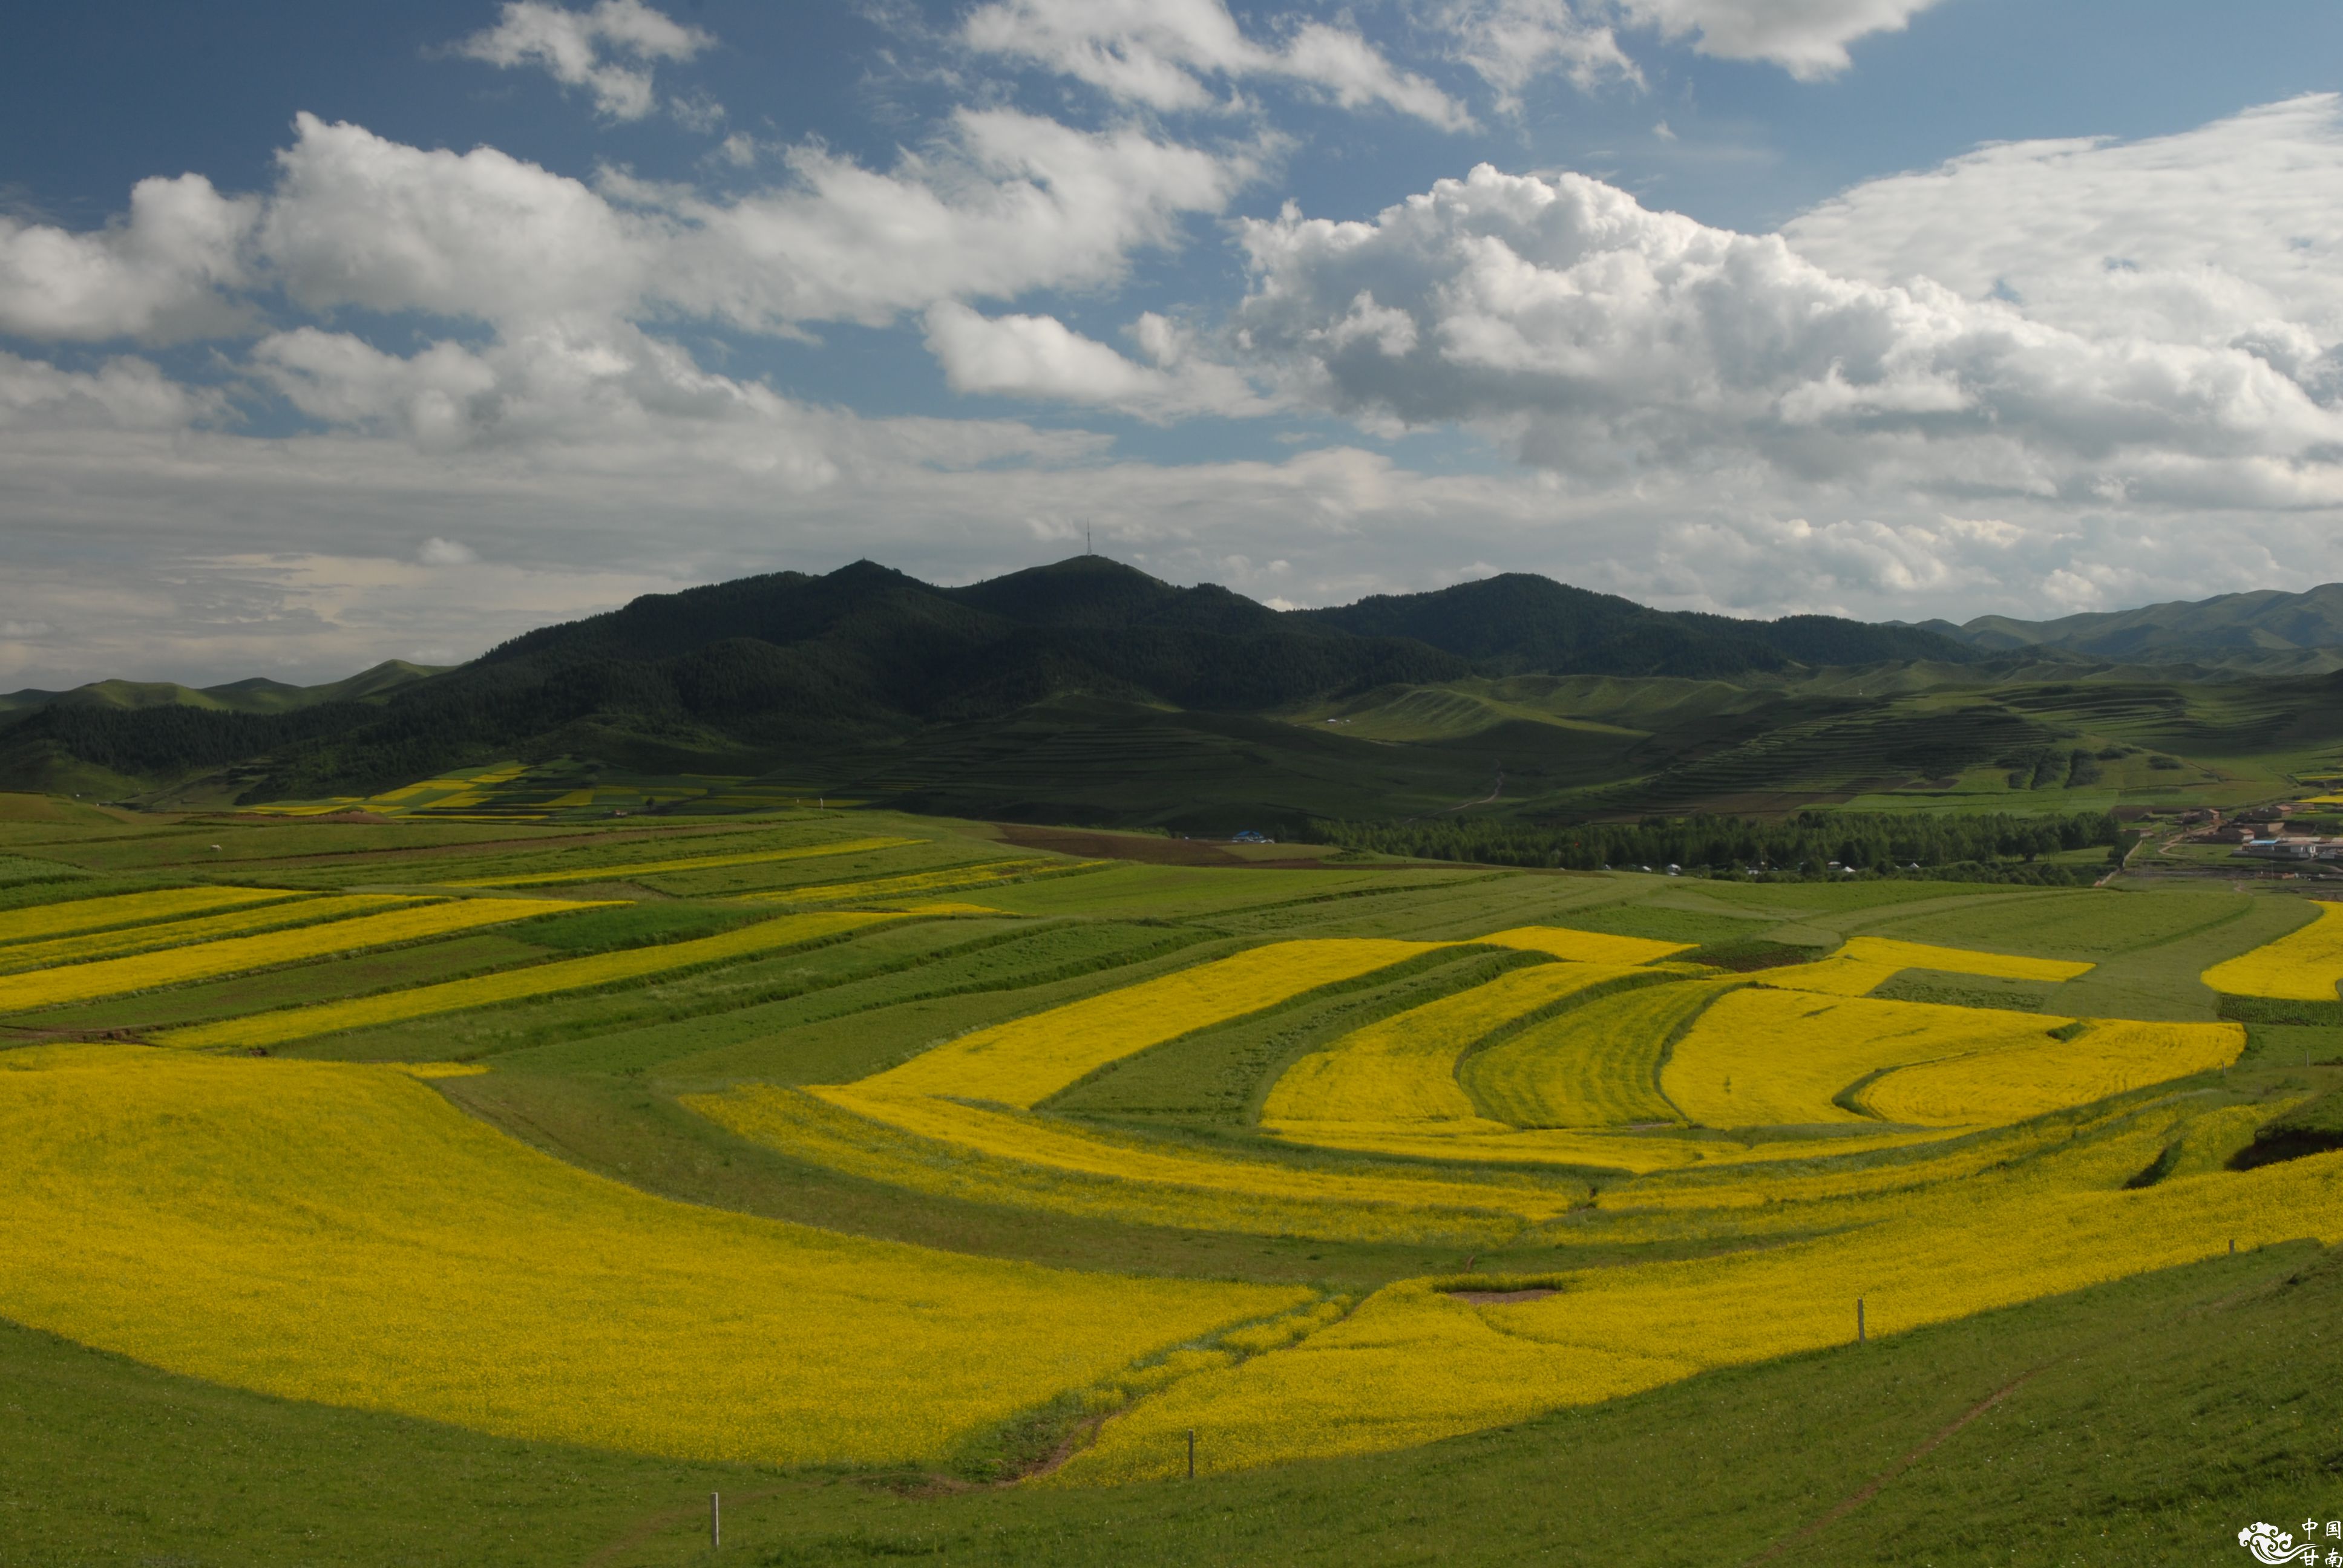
[
  {"x": 1163, "y": 54},
  {"x": 1513, "y": 43},
  {"x": 1606, "y": 340},
  {"x": 1040, "y": 356},
  {"x": 1808, "y": 39},
  {"x": 125, "y": 393},
  {"x": 158, "y": 273},
  {"x": 1004, "y": 202},
  {"x": 610, "y": 51},
  {"x": 2227, "y": 233}
]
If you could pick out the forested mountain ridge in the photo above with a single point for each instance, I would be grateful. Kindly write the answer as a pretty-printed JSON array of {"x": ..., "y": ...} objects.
[
  {"x": 741, "y": 675},
  {"x": 1518, "y": 624},
  {"x": 2263, "y": 622}
]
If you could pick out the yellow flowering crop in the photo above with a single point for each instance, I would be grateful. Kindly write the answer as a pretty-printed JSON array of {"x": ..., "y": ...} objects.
[
  {"x": 948, "y": 880},
  {"x": 236, "y": 955},
  {"x": 1583, "y": 947},
  {"x": 1416, "y": 1362},
  {"x": 1495, "y": 1142},
  {"x": 1412, "y": 1366},
  {"x": 1025, "y": 1061},
  {"x": 1865, "y": 963},
  {"x": 1026, "y": 1161},
  {"x": 342, "y": 1234},
  {"x": 1832, "y": 976},
  {"x": 1404, "y": 1068},
  {"x": 1766, "y": 1058},
  {"x": 1958, "y": 960},
  {"x": 43, "y": 921},
  {"x": 1594, "y": 1066},
  {"x": 516, "y": 984},
  {"x": 2013, "y": 1082},
  {"x": 2303, "y": 965},
  {"x": 699, "y": 863},
  {"x": 201, "y": 929}
]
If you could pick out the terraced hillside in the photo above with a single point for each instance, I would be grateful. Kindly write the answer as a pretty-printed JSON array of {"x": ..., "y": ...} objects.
[{"x": 910, "y": 1186}]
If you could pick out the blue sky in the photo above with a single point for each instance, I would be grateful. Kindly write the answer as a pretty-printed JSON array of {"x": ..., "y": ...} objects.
[{"x": 330, "y": 334}]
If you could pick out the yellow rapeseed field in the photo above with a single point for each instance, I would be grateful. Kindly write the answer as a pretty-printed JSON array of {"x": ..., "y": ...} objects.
[
  {"x": 948, "y": 880},
  {"x": 1416, "y": 1362},
  {"x": 1031, "y": 1162},
  {"x": 43, "y": 921},
  {"x": 1404, "y": 1068},
  {"x": 1865, "y": 963},
  {"x": 1584, "y": 947},
  {"x": 201, "y": 929},
  {"x": 697, "y": 863},
  {"x": 341, "y": 1234},
  {"x": 1412, "y": 1366},
  {"x": 2013, "y": 1082},
  {"x": 236, "y": 955},
  {"x": 517, "y": 984},
  {"x": 2304, "y": 965},
  {"x": 1024, "y": 1062},
  {"x": 1768, "y": 1058},
  {"x": 1594, "y": 1066},
  {"x": 1958, "y": 960},
  {"x": 1832, "y": 976},
  {"x": 1639, "y": 1152}
]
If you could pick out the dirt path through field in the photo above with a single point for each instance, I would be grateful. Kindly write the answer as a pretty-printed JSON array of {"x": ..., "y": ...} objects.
[{"x": 1872, "y": 1488}]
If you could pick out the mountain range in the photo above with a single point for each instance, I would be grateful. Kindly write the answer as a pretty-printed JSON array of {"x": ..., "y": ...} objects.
[
  {"x": 2200, "y": 631},
  {"x": 989, "y": 697},
  {"x": 740, "y": 674}
]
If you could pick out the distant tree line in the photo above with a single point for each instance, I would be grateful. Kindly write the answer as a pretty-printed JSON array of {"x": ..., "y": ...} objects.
[{"x": 1984, "y": 847}]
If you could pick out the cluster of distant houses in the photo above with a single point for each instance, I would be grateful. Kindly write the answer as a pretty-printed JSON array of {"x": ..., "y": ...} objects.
[{"x": 2261, "y": 834}]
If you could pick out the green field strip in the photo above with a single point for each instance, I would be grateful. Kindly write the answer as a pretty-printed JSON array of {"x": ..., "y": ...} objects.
[
  {"x": 519, "y": 985},
  {"x": 327, "y": 979},
  {"x": 45, "y": 989},
  {"x": 1405, "y": 1068},
  {"x": 201, "y": 928},
  {"x": 686, "y": 1000},
  {"x": 696, "y": 863},
  {"x": 1596, "y": 1065},
  {"x": 1218, "y": 1194},
  {"x": 47, "y": 921},
  {"x": 951, "y": 880},
  {"x": 868, "y": 1002},
  {"x": 1217, "y": 1078}
]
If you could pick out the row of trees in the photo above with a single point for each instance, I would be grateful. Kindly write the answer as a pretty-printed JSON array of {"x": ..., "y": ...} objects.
[{"x": 1986, "y": 846}]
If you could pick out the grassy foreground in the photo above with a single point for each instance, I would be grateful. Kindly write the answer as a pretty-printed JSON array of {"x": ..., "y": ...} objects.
[{"x": 2142, "y": 1422}]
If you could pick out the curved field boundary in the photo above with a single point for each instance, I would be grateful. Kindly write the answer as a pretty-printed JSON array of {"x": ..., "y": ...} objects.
[
  {"x": 1415, "y": 1363},
  {"x": 1597, "y": 1065},
  {"x": 43, "y": 921},
  {"x": 1905, "y": 955},
  {"x": 1579, "y": 1149},
  {"x": 519, "y": 984},
  {"x": 1761, "y": 1058},
  {"x": 1585, "y": 947},
  {"x": 2109, "y": 1057},
  {"x": 2304, "y": 965},
  {"x": 1404, "y": 1068},
  {"x": 201, "y": 928},
  {"x": 1034, "y": 1163},
  {"x": 697, "y": 863},
  {"x": 343, "y": 1234},
  {"x": 951, "y": 879},
  {"x": 238, "y": 955},
  {"x": 1866, "y": 963},
  {"x": 1025, "y": 1061}
]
